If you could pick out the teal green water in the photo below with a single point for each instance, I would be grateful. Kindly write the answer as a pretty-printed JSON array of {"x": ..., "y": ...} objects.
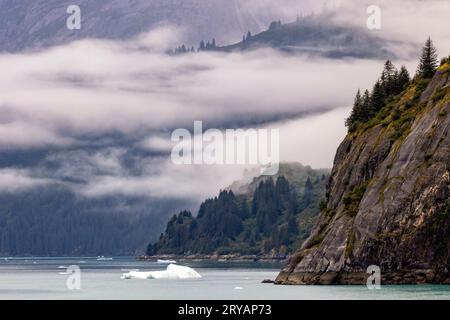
[{"x": 38, "y": 278}]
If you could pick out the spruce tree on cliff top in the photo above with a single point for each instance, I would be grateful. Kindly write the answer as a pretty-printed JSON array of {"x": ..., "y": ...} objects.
[{"x": 428, "y": 60}]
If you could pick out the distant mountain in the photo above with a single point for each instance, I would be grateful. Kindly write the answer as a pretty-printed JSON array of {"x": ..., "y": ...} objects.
[
  {"x": 30, "y": 24},
  {"x": 315, "y": 35},
  {"x": 272, "y": 217},
  {"x": 296, "y": 173},
  {"x": 54, "y": 221}
]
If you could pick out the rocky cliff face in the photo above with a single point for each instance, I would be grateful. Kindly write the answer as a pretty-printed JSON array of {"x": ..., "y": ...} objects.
[{"x": 388, "y": 197}]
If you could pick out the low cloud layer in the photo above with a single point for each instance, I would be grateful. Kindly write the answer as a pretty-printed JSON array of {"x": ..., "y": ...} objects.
[
  {"x": 13, "y": 180},
  {"x": 104, "y": 110},
  {"x": 96, "y": 87}
]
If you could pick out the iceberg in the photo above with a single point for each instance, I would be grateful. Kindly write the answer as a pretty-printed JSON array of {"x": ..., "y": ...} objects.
[
  {"x": 172, "y": 272},
  {"x": 166, "y": 261}
]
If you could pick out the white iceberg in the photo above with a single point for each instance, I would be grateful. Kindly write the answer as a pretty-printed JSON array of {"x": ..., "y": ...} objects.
[
  {"x": 166, "y": 261},
  {"x": 172, "y": 272}
]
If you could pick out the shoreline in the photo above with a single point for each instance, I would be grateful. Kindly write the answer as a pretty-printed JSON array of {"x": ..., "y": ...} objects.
[
  {"x": 217, "y": 258},
  {"x": 402, "y": 277}
]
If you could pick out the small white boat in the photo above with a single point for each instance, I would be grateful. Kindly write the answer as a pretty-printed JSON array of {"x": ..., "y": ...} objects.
[{"x": 103, "y": 258}]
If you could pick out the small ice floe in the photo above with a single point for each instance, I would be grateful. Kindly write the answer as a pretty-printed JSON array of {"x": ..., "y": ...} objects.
[
  {"x": 172, "y": 272},
  {"x": 103, "y": 258},
  {"x": 166, "y": 261},
  {"x": 128, "y": 270},
  {"x": 238, "y": 288}
]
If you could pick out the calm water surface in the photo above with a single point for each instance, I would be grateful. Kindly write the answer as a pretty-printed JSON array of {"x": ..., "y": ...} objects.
[{"x": 41, "y": 278}]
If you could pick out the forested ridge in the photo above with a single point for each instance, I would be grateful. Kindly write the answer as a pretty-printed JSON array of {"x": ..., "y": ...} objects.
[
  {"x": 54, "y": 221},
  {"x": 273, "y": 219}
]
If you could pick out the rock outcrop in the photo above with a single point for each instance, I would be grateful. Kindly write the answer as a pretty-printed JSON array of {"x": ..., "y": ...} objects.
[{"x": 388, "y": 197}]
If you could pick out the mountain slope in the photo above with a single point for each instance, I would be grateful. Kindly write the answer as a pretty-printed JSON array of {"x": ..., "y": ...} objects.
[
  {"x": 53, "y": 220},
  {"x": 57, "y": 218},
  {"x": 273, "y": 217},
  {"x": 316, "y": 35},
  {"x": 29, "y": 24},
  {"x": 388, "y": 202}
]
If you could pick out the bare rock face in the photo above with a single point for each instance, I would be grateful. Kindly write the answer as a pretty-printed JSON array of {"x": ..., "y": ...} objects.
[{"x": 388, "y": 197}]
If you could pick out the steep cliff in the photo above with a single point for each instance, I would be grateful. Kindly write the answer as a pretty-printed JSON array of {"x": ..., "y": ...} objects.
[{"x": 388, "y": 197}]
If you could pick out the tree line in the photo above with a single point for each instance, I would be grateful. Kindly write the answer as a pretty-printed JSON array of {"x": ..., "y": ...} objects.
[
  {"x": 259, "y": 223},
  {"x": 391, "y": 83}
]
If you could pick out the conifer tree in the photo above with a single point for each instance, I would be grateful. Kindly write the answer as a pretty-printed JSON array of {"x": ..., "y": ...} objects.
[
  {"x": 308, "y": 194},
  {"x": 202, "y": 46},
  {"x": 428, "y": 60},
  {"x": 377, "y": 98},
  {"x": 388, "y": 71},
  {"x": 388, "y": 78},
  {"x": 292, "y": 226},
  {"x": 365, "y": 109},
  {"x": 356, "y": 111},
  {"x": 402, "y": 80}
]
